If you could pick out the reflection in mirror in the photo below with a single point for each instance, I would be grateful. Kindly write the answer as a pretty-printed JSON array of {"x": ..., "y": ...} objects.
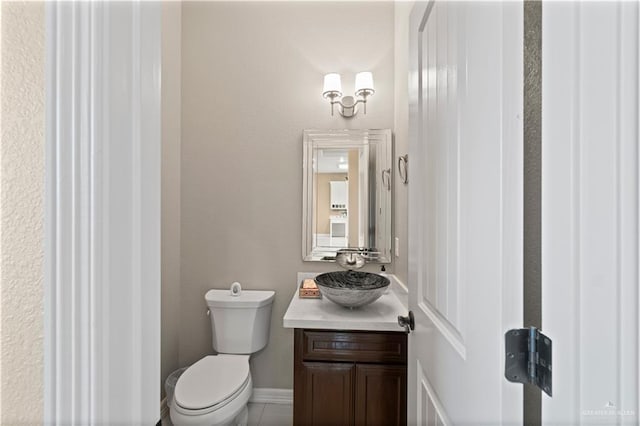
[{"x": 347, "y": 193}]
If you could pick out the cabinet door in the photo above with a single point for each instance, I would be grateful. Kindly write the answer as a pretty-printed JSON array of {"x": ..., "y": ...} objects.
[
  {"x": 381, "y": 395},
  {"x": 327, "y": 393},
  {"x": 339, "y": 195}
]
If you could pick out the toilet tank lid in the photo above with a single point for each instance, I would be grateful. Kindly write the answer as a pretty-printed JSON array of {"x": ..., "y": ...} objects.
[{"x": 247, "y": 299}]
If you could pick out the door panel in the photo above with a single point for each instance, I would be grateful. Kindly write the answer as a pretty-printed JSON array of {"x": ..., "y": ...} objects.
[
  {"x": 590, "y": 210},
  {"x": 440, "y": 285},
  {"x": 465, "y": 210},
  {"x": 430, "y": 408}
]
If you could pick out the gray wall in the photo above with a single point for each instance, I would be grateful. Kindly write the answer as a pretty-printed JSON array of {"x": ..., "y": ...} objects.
[
  {"x": 402, "y": 11},
  {"x": 170, "y": 321},
  {"x": 251, "y": 82}
]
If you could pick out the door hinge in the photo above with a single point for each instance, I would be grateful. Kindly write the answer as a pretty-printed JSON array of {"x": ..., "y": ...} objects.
[{"x": 528, "y": 358}]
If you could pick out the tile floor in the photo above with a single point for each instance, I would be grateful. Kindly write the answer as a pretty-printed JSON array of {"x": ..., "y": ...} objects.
[
  {"x": 270, "y": 414},
  {"x": 263, "y": 415}
]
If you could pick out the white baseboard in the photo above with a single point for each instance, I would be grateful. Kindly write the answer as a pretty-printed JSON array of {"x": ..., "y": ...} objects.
[
  {"x": 272, "y": 396},
  {"x": 164, "y": 408}
]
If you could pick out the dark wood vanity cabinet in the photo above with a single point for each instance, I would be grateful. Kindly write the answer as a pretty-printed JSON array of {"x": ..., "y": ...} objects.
[{"x": 349, "y": 378}]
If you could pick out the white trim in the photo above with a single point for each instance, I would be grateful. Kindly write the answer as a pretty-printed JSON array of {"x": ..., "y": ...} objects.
[
  {"x": 590, "y": 215},
  {"x": 102, "y": 215},
  {"x": 272, "y": 396}
]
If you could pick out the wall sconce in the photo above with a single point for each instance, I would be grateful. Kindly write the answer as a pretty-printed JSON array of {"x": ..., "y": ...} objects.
[{"x": 347, "y": 105}]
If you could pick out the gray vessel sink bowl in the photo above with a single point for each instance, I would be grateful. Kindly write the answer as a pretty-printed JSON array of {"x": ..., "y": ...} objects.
[{"x": 352, "y": 289}]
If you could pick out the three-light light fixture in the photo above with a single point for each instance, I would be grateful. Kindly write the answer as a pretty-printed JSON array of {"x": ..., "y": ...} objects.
[{"x": 348, "y": 105}]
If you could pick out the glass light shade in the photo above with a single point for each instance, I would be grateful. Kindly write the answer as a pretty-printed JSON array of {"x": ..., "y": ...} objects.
[
  {"x": 332, "y": 83},
  {"x": 364, "y": 81}
]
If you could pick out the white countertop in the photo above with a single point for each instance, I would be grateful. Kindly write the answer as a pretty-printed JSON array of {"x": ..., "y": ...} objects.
[{"x": 381, "y": 315}]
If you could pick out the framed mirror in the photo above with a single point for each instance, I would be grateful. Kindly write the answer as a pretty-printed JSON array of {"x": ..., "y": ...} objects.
[{"x": 346, "y": 193}]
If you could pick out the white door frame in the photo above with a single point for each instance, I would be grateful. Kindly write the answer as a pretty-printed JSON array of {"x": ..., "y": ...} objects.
[
  {"x": 590, "y": 220},
  {"x": 102, "y": 214}
]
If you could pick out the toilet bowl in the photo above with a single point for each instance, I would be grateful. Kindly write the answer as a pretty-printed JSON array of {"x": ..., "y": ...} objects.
[
  {"x": 213, "y": 391},
  {"x": 216, "y": 389}
]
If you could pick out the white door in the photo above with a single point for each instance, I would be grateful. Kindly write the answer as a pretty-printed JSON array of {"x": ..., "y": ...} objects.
[
  {"x": 465, "y": 210},
  {"x": 590, "y": 210}
]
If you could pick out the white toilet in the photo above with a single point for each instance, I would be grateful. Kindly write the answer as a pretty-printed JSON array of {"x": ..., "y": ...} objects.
[{"x": 215, "y": 390}]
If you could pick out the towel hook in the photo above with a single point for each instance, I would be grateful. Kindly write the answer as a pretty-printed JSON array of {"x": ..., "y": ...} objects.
[{"x": 402, "y": 168}]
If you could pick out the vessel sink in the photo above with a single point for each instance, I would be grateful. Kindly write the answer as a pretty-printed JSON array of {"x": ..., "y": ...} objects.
[{"x": 352, "y": 289}]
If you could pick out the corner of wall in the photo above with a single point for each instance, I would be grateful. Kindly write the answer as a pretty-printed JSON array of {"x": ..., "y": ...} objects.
[
  {"x": 171, "y": 181},
  {"x": 402, "y": 11}
]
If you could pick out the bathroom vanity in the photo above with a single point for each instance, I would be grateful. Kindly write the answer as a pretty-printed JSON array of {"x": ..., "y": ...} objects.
[
  {"x": 350, "y": 366},
  {"x": 349, "y": 377}
]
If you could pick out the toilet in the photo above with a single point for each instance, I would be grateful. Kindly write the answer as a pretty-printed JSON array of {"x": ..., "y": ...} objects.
[{"x": 216, "y": 389}]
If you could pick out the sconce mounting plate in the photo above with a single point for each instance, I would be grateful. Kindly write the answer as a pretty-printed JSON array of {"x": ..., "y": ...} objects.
[{"x": 348, "y": 107}]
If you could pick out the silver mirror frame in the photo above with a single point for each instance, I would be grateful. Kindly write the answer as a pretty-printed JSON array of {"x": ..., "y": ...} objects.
[{"x": 314, "y": 137}]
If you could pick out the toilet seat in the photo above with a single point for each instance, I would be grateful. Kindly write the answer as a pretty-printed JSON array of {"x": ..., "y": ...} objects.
[
  {"x": 227, "y": 414},
  {"x": 211, "y": 383}
]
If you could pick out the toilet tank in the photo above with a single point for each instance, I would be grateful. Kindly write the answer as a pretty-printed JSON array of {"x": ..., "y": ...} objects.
[{"x": 240, "y": 324}]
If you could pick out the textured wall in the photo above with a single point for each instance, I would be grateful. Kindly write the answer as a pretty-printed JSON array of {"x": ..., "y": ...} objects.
[
  {"x": 532, "y": 191},
  {"x": 251, "y": 82},
  {"x": 21, "y": 211},
  {"x": 171, "y": 36}
]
